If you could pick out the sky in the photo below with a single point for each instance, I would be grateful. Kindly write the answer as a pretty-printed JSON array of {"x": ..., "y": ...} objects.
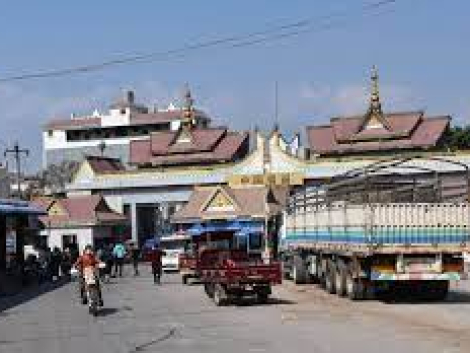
[{"x": 419, "y": 46}]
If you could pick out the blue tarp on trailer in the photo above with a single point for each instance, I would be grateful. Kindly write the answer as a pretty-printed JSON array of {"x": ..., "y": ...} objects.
[{"x": 240, "y": 228}]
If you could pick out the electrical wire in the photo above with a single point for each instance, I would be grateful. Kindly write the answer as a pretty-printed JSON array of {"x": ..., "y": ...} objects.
[{"x": 237, "y": 41}]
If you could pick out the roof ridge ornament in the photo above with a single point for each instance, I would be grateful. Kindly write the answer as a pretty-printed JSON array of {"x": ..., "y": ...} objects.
[
  {"x": 374, "y": 117},
  {"x": 375, "y": 105},
  {"x": 188, "y": 107}
]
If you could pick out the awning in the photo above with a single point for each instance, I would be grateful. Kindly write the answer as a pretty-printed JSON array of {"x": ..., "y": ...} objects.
[
  {"x": 239, "y": 228},
  {"x": 19, "y": 207}
]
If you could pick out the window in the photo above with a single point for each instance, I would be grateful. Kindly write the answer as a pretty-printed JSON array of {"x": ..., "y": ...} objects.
[
  {"x": 69, "y": 240},
  {"x": 127, "y": 211},
  {"x": 241, "y": 242},
  {"x": 50, "y": 133},
  {"x": 255, "y": 241}
]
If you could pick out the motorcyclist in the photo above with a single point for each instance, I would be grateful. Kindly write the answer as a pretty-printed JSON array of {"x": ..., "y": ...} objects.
[{"x": 87, "y": 259}]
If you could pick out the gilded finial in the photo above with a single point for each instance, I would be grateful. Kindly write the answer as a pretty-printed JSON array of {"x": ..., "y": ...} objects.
[
  {"x": 188, "y": 108},
  {"x": 375, "y": 105}
]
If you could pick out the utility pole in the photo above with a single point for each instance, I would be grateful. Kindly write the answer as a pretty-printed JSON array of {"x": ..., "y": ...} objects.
[{"x": 17, "y": 151}]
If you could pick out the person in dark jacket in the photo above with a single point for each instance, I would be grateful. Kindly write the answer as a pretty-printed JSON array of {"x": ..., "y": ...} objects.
[
  {"x": 56, "y": 259},
  {"x": 135, "y": 256},
  {"x": 155, "y": 257},
  {"x": 107, "y": 258},
  {"x": 66, "y": 263}
]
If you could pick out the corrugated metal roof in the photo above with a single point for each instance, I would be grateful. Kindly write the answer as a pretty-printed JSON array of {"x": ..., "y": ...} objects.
[{"x": 19, "y": 207}]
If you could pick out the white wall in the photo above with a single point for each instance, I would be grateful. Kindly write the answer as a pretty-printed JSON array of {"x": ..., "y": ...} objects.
[
  {"x": 54, "y": 236},
  {"x": 175, "y": 125},
  {"x": 115, "y": 118},
  {"x": 57, "y": 140},
  {"x": 58, "y": 143}
]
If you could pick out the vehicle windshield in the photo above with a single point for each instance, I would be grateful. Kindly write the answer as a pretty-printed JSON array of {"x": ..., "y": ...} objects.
[{"x": 173, "y": 244}]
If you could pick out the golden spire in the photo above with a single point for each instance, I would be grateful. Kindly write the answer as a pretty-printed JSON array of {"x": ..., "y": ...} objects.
[
  {"x": 375, "y": 105},
  {"x": 188, "y": 108}
]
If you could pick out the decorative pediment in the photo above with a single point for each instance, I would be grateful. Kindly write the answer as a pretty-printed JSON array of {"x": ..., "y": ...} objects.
[
  {"x": 373, "y": 123},
  {"x": 56, "y": 209},
  {"x": 183, "y": 136},
  {"x": 220, "y": 201}
]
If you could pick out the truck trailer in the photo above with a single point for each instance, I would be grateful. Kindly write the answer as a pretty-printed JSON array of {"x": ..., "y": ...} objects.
[{"x": 395, "y": 224}]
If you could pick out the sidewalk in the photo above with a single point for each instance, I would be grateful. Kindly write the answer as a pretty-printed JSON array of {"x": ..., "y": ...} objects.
[
  {"x": 9, "y": 285},
  {"x": 12, "y": 293}
]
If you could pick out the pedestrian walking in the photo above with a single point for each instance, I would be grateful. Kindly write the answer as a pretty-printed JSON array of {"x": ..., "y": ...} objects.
[
  {"x": 156, "y": 263},
  {"x": 66, "y": 263},
  {"x": 56, "y": 259},
  {"x": 135, "y": 256},
  {"x": 106, "y": 256},
  {"x": 119, "y": 253}
]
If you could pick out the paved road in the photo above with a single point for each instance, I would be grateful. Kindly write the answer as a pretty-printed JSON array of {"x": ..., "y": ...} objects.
[{"x": 141, "y": 317}]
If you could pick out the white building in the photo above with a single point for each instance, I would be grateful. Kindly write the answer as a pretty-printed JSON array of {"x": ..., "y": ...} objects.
[
  {"x": 110, "y": 132},
  {"x": 80, "y": 220}
]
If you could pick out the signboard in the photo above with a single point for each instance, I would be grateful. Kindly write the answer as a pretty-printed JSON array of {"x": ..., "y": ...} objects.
[{"x": 272, "y": 179}]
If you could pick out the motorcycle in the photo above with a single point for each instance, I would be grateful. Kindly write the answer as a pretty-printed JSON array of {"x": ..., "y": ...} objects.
[{"x": 90, "y": 281}]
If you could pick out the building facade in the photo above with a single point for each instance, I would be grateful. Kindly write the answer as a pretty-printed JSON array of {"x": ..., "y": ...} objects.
[
  {"x": 166, "y": 166},
  {"x": 111, "y": 132},
  {"x": 79, "y": 221}
]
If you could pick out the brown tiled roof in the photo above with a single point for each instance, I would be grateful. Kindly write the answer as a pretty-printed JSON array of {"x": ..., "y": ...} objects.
[
  {"x": 136, "y": 118},
  {"x": 202, "y": 140},
  {"x": 83, "y": 210},
  {"x": 250, "y": 202},
  {"x": 162, "y": 117},
  {"x": 349, "y": 128},
  {"x": 101, "y": 164},
  {"x": 209, "y": 145},
  {"x": 68, "y": 124},
  {"x": 411, "y": 130}
]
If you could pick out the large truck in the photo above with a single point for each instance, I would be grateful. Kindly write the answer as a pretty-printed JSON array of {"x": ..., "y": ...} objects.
[{"x": 392, "y": 225}]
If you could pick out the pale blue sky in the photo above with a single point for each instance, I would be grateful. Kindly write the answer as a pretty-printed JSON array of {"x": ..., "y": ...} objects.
[{"x": 420, "y": 46}]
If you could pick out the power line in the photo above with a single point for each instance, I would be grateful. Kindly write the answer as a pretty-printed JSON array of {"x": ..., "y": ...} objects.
[
  {"x": 17, "y": 151},
  {"x": 236, "y": 41}
]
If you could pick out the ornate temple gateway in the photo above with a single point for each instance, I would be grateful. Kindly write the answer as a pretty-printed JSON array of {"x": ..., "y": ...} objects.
[{"x": 166, "y": 165}]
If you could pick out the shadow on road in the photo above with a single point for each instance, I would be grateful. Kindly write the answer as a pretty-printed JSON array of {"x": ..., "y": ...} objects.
[
  {"x": 108, "y": 311},
  {"x": 27, "y": 294},
  {"x": 454, "y": 297},
  {"x": 253, "y": 302}
]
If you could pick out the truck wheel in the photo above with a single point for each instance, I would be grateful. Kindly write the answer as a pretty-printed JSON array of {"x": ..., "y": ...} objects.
[
  {"x": 299, "y": 272},
  {"x": 438, "y": 291},
  {"x": 354, "y": 288},
  {"x": 340, "y": 281},
  {"x": 219, "y": 295},
  {"x": 262, "y": 294},
  {"x": 209, "y": 289},
  {"x": 330, "y": 278},
  {"x": 262, "y": 297}
]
